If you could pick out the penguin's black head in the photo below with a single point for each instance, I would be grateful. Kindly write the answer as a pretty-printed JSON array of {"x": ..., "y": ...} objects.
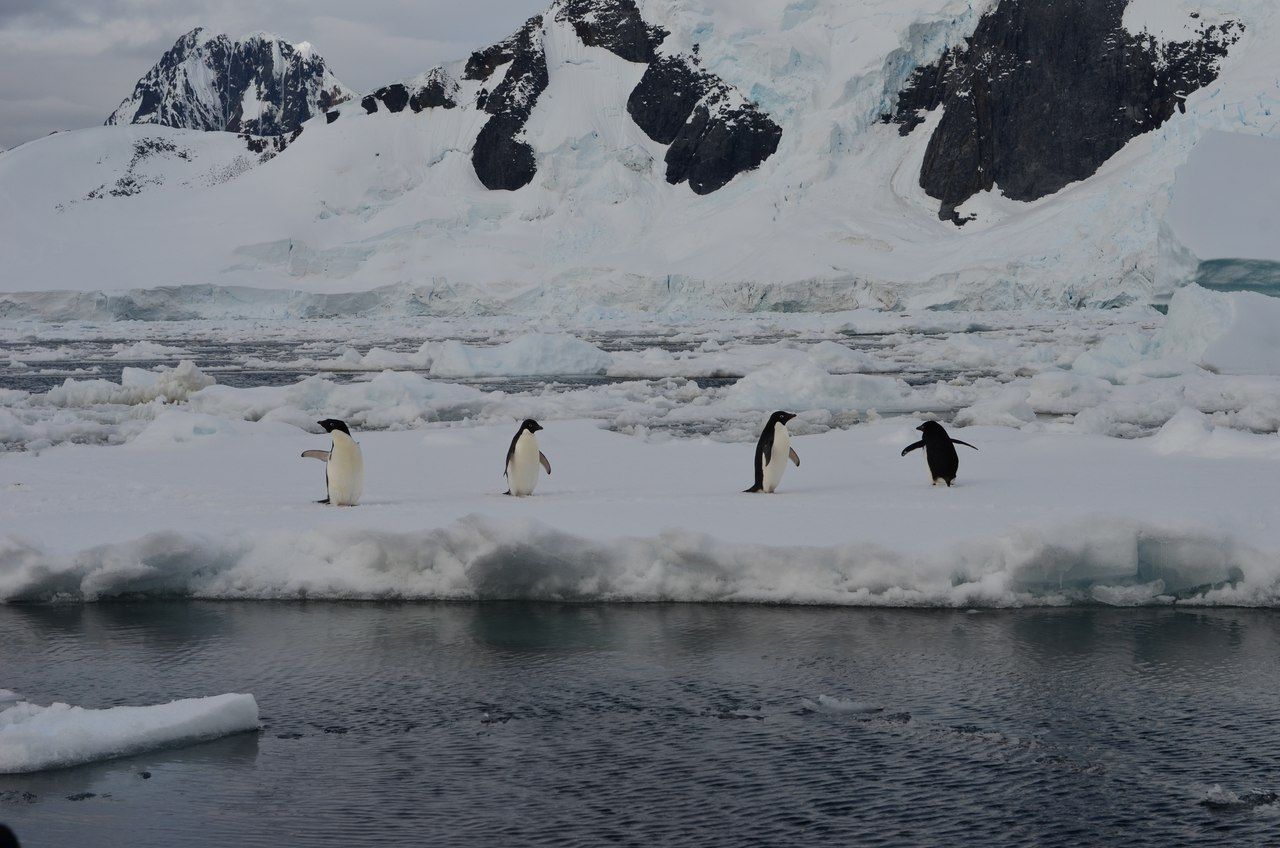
[
  {"x": 331, "y": 424},
  {"x": 530, "y": 425},
  {"x": 932, "y": 429},
  {"x": 781, "y": 417}
]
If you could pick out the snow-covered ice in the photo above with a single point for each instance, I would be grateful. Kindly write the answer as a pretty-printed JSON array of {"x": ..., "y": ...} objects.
[
  {"x": 1036, "y": 518},
  {"x": 1126, "y": 457},
  {"x": 34, "y": 738}
]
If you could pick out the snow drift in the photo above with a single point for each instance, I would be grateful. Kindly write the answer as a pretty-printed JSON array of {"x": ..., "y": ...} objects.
[{"x": 34, "y": 738}]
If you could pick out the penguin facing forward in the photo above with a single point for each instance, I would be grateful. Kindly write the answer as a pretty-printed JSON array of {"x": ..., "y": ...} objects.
[
  {"x": 772, "y": 452},
  {"x": 343, "y": 465},
  {"x": 939, "y": 452},
  {"x": 523, "y": 459}
]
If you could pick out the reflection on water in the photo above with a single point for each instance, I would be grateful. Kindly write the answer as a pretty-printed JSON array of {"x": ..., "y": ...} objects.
[
  {"x": 1257, "y": 275},
  {"x": 513, "y": 723}
]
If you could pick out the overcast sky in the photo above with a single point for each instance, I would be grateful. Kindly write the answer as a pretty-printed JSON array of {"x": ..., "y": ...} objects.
[{"x": 66, "y": 64}]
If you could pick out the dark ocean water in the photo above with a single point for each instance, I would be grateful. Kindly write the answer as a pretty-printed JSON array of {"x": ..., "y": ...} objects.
[{"x": 528, "y": 724}]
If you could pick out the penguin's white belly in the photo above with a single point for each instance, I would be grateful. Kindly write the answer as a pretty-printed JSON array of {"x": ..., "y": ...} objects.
[
  {"x": 522, "y": 470},
  {"x": 345, "y": 471},
  {"x": 777, "y": 458}
]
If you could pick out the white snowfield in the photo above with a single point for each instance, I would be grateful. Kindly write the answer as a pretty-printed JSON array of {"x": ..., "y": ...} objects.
[
  {"x": 835, "y": 219},
  {"x": 35, "y": 738},
  {"x": 1034, "y": 519}
]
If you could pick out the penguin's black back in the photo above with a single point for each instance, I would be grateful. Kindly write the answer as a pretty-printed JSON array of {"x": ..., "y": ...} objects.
[
  {"x": 941, "y": 455},
  {"x": 764, "y": 450}
]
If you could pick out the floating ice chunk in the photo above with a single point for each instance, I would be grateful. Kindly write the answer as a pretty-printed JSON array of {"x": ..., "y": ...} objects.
[
  {"x": 1218, "y": 798},
  {"x": 529, "y": 355},
  {"x": 804, "y": 385},
  {"x": 1132, "y": 596},
  {"x": 143, "y": 350},
  {"x": 34, "y": 738},
  {"x": 837, "y": 358},
  {"x": 840, "y": 706},
  {"x": 136, "y": 386},
  {"x": 1007, "y": 409}
]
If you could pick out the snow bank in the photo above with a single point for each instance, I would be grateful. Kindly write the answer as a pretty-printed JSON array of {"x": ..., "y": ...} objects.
[
  {"x": 480, "y": 558},
  {"x": 34, "y": 738}
]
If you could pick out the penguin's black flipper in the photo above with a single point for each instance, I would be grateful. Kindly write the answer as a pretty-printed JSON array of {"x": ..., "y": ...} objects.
[
  {"x": 958, "y": 442},
  {"x": 753, "y": 490},
  {"x": 325, "y": 501},
  {"x": 546, "y": 463},
  {"x": 909, "y": 448},
  {"x": 323, "y": 456},
  {"x": 795, "y": 457}
]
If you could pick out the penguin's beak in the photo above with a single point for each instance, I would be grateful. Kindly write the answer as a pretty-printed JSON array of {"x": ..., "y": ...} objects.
[{"x": 920, "y": 428}]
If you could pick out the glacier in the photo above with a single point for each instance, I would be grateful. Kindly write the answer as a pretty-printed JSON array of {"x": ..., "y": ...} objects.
[{"x": 384, "y": 211}]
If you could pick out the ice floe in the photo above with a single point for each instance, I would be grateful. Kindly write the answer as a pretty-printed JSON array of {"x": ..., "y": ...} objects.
[{"x": 35, "y": 738}]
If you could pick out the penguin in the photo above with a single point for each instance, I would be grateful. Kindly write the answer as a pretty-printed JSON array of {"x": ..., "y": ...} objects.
[
  {"x": 523, "y": 458},
  {"x": 939, "y": 452},
  {"x": 772, "y": 452},
  {"x": 343, "y": 465}
]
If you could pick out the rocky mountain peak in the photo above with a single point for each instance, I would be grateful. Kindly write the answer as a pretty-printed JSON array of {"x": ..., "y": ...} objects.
[{"x": 259, "y": 84}]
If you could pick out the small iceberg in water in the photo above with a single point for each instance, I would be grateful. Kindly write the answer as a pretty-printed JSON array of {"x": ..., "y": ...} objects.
[{"x": 35, "y": 738}]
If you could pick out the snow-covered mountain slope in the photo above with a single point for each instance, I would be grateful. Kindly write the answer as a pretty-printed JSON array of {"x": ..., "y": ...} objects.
[
  {"x": 693, "y": 153},
  {"x": 260, "y": 85}
]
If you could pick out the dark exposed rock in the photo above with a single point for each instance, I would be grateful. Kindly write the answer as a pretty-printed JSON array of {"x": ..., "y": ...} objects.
[
  {"x": 712, "y": 139},
  {"x": 287, "y": 84},
  {"x": 1044, "y": 93},
  {"x": 501, "y": 158},
  {"x": 330, "y": 117},
  {"x": 131, "y": 182},
  {"x": 482, "y": 63},
  {"x": 435, "y": 90},
  {"x": 395, "y": 96},
  {"x": 714, "y": 134},
  {"x": 719, "y": 143},
  {"x": 663, "y": 100},
  {"x": 615, "y": 25},
  {"x": 269, "y": 146},
  {"x": 436, "y": 93}
]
